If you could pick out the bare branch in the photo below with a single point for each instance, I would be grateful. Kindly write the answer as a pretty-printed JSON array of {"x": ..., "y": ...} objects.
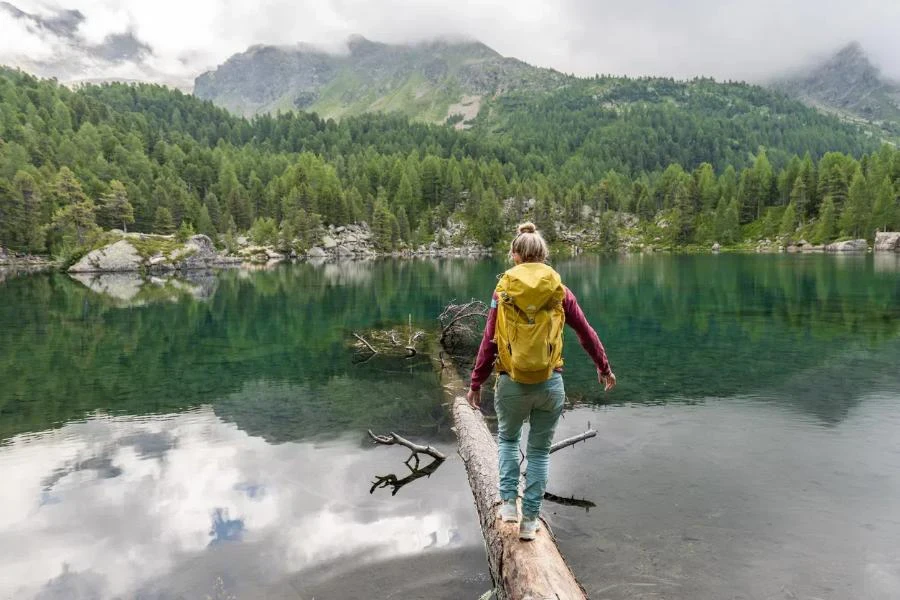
[
  {"x": 363, "y": 340},
  {"x": 394, "y": 439},
  {"x": 572, "y": 440}
]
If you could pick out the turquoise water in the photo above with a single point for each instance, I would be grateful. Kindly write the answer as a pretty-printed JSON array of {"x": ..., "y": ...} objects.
[{"x": 206, "y": 438}]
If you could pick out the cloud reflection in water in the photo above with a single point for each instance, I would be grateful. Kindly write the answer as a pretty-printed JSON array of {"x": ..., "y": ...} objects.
[{"x": 111, "y": 506}]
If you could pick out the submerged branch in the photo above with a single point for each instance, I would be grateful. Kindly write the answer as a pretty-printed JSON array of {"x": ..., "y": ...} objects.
[
  {"x": 572, "y": 501},
  {"x": 394, "y": 439}
]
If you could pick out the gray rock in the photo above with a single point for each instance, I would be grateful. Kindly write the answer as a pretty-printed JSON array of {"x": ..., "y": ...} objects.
[
  {"x": 887, "y": 241},
  {"x": 118, "y": 257},
  {"x": 315, "y": 252},
  {"x": 341, "y": 229},
  {"x": 343, "y": 251},
  {"x": 716, "y": 247},
  {"x": 198, "y": 253},
  {"x": 848, "y": 246},
  {"x": 328, "y": 242}
]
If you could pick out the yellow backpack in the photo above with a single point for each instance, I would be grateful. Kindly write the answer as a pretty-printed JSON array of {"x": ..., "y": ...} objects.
[{"x": 530, "y": 319}]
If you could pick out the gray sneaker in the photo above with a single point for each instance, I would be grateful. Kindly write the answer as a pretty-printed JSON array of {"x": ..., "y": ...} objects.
[
  {"x": 529, "y": 527},
  {"x": 509, "y": 512}
]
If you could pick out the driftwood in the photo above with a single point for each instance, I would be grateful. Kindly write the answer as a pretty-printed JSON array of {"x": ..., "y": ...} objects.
[
  {"x": 415, "y": 471},
  {"x": 387, "y": 343},
  {"x": 461, "y": 325},
  {"x": 521, "y": 570}
]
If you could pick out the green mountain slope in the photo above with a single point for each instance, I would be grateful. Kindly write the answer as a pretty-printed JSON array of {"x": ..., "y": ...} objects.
[
  {"x": 708, "y": 158},
  {"x": 644, "y": 124},
  {"x": 849, "y": 85},
  {"x": 426, "y": 81}
]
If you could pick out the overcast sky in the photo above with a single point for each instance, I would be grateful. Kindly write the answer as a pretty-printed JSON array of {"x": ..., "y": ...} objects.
[{"x": 174, "y": 40}]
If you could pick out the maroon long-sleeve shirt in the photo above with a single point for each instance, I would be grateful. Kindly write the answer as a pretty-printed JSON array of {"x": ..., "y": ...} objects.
[{"x": 587, "y": 337}]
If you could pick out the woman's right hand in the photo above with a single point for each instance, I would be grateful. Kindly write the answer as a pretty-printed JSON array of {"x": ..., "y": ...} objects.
[
  {"x": 473, "y": 397},
  {"x": 607, "y": 381}
]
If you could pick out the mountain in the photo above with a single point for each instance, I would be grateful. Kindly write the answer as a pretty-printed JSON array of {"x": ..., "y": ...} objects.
[
  {"x": 428, "y": 81},
  {"x": 849, "y": 85}
]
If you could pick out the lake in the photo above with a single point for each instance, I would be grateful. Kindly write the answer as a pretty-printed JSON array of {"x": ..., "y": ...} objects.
[{"x": 206, "y": 438}]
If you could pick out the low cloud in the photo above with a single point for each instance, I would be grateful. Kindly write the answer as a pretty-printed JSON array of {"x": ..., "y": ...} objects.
[{"x": 174, "y": 41}]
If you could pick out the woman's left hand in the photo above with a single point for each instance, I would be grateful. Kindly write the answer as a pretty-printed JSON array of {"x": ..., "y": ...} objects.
[{"x": 607, "y": 381}]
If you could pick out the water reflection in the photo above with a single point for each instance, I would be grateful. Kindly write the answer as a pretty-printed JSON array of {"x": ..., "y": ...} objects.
[
  {"x": 114, "y": 505},
  {"x": 185, "y": 439},
  {"x": 733, "y": 499},
  {"x": 133, "y": 289}
]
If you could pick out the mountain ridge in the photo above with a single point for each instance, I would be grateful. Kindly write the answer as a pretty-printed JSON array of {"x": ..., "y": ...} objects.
[{"x": 429, "y": 81}]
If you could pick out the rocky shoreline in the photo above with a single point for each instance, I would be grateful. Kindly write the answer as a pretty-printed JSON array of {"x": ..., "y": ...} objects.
[{"x": 157, "y": 255}]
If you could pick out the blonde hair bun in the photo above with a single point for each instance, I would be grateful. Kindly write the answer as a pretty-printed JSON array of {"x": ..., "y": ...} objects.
[{"x": 529, "y": 245}]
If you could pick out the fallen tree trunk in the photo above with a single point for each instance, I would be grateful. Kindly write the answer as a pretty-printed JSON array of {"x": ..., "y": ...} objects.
[{"x": 521, "y": 570}]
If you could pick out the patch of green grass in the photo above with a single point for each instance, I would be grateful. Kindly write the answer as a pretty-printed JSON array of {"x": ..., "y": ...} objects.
[{"x": 148, "y": 246}]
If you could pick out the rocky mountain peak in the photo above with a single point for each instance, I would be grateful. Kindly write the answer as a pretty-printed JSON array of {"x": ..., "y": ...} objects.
[
  {"x": 848, "y": 83},
  {"x": 850, "y": 62}
]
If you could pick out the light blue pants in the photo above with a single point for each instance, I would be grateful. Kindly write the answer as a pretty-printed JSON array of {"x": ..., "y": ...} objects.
[{"x": 541, "y": 404}]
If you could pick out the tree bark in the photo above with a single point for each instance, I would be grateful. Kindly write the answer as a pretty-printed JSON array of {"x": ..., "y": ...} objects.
[{"x": 521, "y": 570}]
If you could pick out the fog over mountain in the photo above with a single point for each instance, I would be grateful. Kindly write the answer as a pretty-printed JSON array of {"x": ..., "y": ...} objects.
[{"x": 173, "y": 42}]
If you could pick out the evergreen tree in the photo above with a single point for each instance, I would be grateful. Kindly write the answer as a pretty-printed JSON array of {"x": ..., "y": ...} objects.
[
  {"x": 858, "y": 208},
  {"x": 403, "y": 225},
  {"x": 264, "y": 231},
  {"x": 382, "y": 232},
  {"x": 205, "y": 224},
  {"x": 685, "y": 215},
  {"x": 211, "y": 202},
  {"x": 800, "y": 199},
  {"x": 884, "y": 213},
  {"x": 788, "y": 225},
  {"x": 488, "y": 227},
  {"x": 826, "y": 228},
  {"x": 73, "y": 227},
  {"x": 727, "y": 221},
  {"x": 67, "y": 189},
  {"x": 162, "y": 221},
  {"x": 115, "y": 209},
  {"x": 607, "y": 233}
]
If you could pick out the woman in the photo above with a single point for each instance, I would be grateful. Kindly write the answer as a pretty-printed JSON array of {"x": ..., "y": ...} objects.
[{"x": 523, "y": 339}]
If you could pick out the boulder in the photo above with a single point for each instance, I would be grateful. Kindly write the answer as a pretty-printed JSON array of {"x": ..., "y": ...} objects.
[
  {"x": 328, "y": 242},
  {"x": 198, "y": 253},
  {"x": 887, "y": 241},
  {"x": 344, "y": 252},
  {"x": 716, "y": 247},
  {"x": 848, "y": 246},
  {"x": 115, "y": 258},
  {"x": 316, "y": 252}
]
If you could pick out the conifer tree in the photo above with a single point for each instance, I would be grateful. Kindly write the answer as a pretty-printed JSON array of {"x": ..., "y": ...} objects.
[
  {"x": 826, "y": 228},
  {"x": 162, "y": 221},
  {"x": 115, "y": 209},
  {"x": 857, "y": 210}
]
